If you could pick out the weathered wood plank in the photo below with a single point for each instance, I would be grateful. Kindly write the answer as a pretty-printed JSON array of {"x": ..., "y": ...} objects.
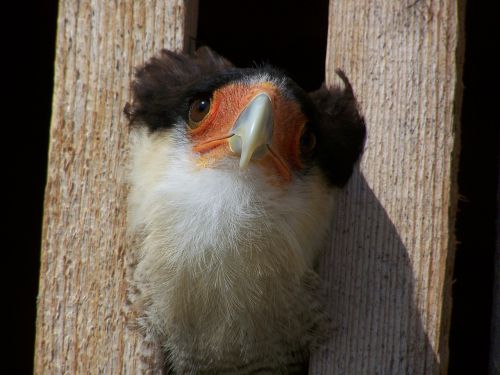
[
  {"x": 392, "y": 246},
  {"x": 80, "y": 326}
]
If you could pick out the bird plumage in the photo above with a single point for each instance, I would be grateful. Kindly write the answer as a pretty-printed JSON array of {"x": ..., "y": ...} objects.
[{"x": 225, "y": 256}]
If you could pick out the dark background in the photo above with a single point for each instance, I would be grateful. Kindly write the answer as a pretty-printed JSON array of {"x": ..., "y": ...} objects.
[{"x": 290, "y": 35}]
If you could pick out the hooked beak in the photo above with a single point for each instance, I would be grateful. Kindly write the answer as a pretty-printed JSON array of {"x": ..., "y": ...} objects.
[{"x": 253, "y": 130}]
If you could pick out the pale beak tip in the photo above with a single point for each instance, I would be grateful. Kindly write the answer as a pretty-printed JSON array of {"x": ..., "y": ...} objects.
[{"x": 244, "y": 162}]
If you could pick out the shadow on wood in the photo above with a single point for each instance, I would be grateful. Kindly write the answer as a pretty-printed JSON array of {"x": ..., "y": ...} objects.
[{"x": 377, "y": 325}]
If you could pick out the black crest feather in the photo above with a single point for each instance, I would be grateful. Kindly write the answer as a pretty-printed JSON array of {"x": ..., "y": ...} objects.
[
  {"x": 160, "y": 85},
  {"x": 340, "y": 129}
]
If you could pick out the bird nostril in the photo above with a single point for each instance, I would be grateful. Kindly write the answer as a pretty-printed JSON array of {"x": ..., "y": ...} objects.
[{"x": 235, "y": 144}]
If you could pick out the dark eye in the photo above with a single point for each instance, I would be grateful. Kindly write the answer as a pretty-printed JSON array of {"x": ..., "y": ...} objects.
[
  {"x": 198, "y": 110},
  {"x": 307, "y": 142}
]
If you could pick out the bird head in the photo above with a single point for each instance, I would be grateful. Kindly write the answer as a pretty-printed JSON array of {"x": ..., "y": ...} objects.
[{"x": 250, "y": 119}]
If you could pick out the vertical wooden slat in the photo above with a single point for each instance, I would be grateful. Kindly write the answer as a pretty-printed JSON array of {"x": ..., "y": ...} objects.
[
  {"x": 388, "y": 269},
  {"x": 80, "y": 325}
]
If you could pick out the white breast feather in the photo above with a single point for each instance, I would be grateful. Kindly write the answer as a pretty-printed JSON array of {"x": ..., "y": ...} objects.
[{"x": 223, "y": 255}]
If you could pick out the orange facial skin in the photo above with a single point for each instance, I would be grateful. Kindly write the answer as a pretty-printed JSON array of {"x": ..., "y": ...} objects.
[{"x": 210, "y": 138}]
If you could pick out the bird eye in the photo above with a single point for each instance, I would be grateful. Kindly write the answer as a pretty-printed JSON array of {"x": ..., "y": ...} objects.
[
  {"x": 307, "y": 142},
  {"x": 198, "y": 110}
]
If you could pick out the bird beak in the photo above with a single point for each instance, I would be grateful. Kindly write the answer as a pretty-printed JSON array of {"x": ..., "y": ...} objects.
[{"x": 253, "y": 130}]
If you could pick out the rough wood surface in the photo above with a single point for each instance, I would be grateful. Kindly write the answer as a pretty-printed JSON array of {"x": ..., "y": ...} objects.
[
  {"x": 80, "y": 326},
  {"x": 389, "y": 265}
]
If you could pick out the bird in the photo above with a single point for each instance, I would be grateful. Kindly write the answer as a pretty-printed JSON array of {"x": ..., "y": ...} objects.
[{"x": 233, "y": 176}]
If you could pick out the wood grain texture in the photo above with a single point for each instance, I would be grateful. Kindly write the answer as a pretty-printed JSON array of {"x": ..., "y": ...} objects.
[
  {"x": 389, "y": 265},
  {"x": 81, "y": 328}
]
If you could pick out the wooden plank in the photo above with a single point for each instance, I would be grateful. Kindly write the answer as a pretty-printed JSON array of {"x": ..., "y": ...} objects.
[
  {"x": 81, "y": 328},
  {"x": 389, "y": 265}
]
